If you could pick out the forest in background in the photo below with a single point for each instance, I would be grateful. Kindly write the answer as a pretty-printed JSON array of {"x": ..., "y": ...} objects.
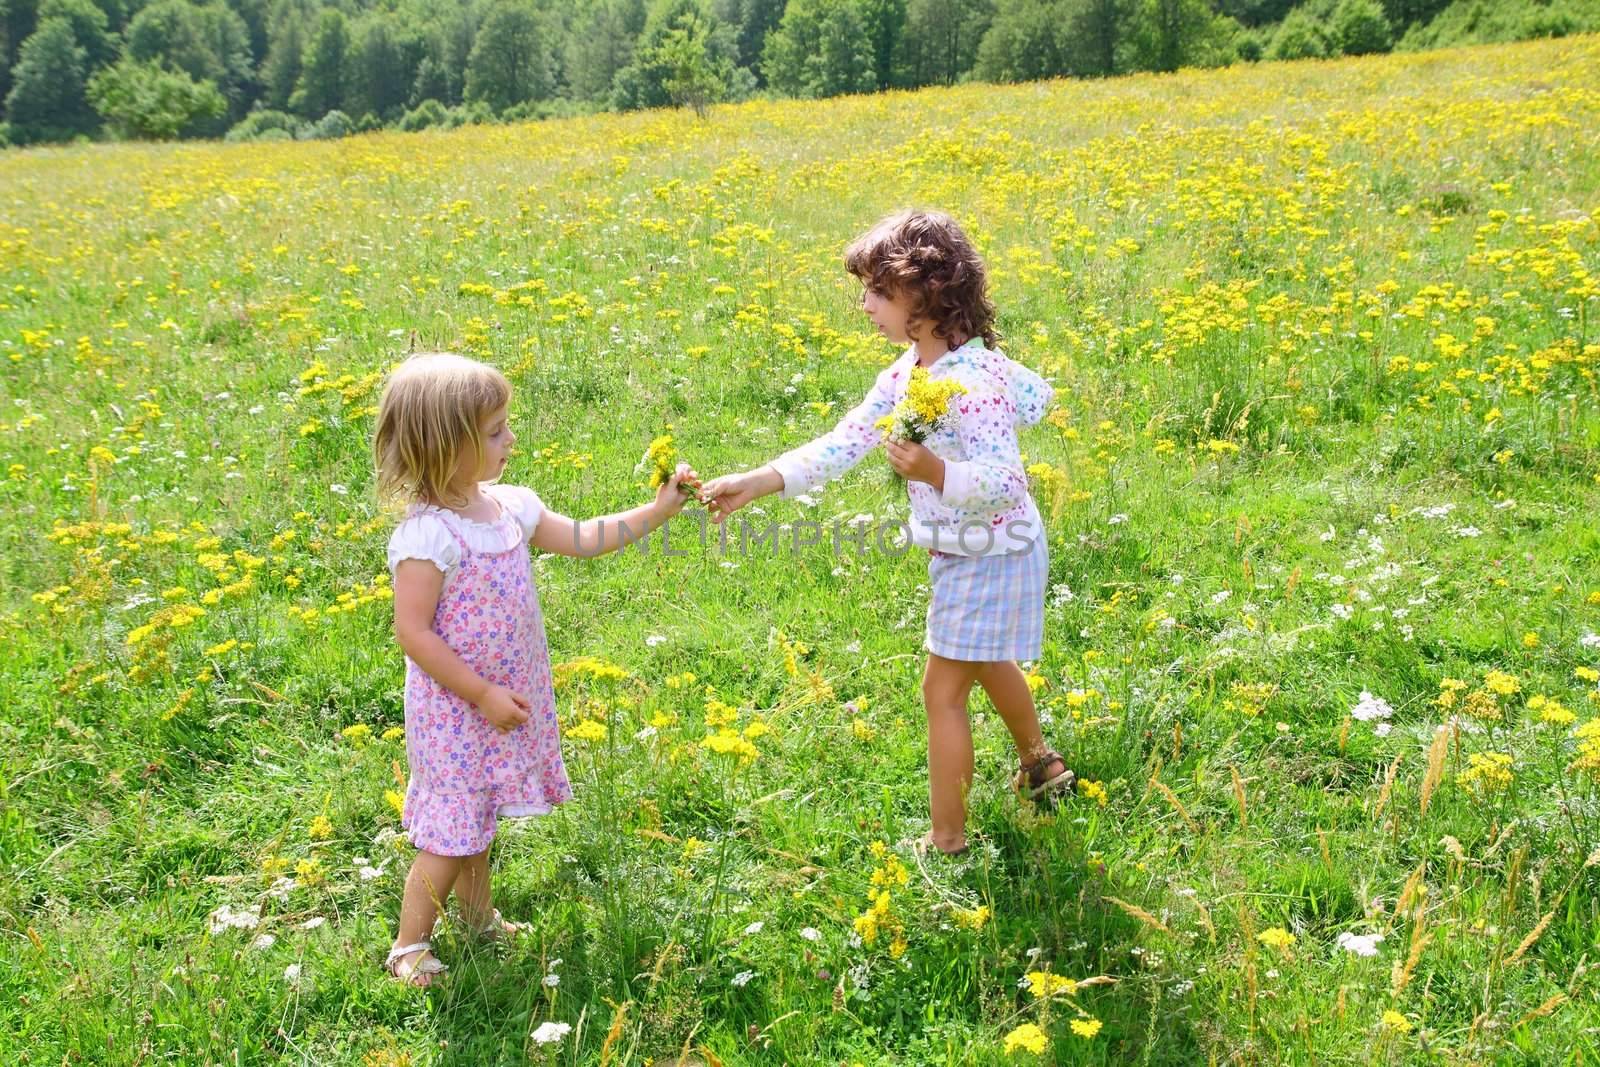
[{"x": 282, "y": 69}]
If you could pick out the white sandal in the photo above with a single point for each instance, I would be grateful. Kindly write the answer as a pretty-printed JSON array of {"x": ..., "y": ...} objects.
[
  {"x": 426, "y": 963},
  {"x": 499, "y": 928}
]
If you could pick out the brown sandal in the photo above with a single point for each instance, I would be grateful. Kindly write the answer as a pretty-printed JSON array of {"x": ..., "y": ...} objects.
[{"x": 1034, "y": 781}]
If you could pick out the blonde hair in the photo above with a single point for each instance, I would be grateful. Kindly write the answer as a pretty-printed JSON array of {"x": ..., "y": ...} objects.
[{"x": 428, "y": 419}]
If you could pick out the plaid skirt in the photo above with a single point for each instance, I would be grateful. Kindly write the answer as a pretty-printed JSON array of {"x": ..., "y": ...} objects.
[{"x": 988, "y": 609}]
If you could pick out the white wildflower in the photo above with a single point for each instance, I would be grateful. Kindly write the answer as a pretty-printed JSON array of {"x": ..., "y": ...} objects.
[
  {"x": 550, "y": 1033},
  {"x": 225, "y": 918},
  {"x": 1370, "y": 707},
  {"x": 1359, "y": 944}
]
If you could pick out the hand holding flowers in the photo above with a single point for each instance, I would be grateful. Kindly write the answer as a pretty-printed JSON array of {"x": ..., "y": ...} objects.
[{"x": 924, "y": 411}]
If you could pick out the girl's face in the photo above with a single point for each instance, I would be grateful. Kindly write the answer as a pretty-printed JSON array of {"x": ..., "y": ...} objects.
[
  {"x": 495, "y": 429},
  {"x": 891, "y": 314}
]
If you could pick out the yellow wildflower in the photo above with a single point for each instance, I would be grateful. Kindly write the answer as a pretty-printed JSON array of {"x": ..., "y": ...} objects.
[
  {"x": 1095, "y": 791},
  {"x": 926, "y": 405},
  {"x": 587, "y": 730},
  {"x": 1489, "y": 771},
  {"x": 1393, "y": 1020},
  {"x": 1502, "y": 683},
  {"x": 1028, "y": 1036},
  {"x": 1275, "y": 937},
  {"x": 310, "y": 872},
  {"x": 1043, "y": 984}
]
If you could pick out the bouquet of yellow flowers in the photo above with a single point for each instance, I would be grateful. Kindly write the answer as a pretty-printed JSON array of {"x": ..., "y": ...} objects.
[
  {"x": 661, "y": 460},
  {"x": 923, "y": 411}
]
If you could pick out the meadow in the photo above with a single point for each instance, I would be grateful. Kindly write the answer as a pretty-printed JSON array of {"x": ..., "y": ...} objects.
[{"x": 1322, "y": 480}]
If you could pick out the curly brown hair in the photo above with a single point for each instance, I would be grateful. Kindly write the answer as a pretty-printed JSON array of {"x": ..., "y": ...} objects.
[{"x": 926, "y": 256}]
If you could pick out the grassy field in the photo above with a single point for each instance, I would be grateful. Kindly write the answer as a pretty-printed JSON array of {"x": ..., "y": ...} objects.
[{"x": 1322, "y": 482}]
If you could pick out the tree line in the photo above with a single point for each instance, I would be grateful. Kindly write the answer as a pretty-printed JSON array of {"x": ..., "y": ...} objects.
[{"x": 268, "y": 69}]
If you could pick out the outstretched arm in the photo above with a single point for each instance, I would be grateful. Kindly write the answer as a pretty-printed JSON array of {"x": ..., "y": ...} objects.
[
  {"x": 727, "y": 494},
  {"x": 587, "y": 538},
  {"x": 812, "y": 463}
]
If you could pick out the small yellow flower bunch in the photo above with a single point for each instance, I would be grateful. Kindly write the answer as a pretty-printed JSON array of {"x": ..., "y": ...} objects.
[
  {"x": 661, "y": 460},
  {"x": 925, "y": 407}
]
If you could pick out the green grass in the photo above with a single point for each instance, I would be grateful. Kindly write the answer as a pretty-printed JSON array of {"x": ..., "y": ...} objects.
[{"x": 1290, "y": 464}]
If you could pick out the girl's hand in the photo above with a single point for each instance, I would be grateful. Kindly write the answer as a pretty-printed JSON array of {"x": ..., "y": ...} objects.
[
  {"x": 677, "y": 490},
  {"x": 724, "y": 495},
  {"x": 915, "y": 463},
  {"x": 504, "y": 709}
]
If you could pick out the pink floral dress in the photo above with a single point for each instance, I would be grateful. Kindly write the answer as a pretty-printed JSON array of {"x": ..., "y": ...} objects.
[{"x": 465, "y": 774}]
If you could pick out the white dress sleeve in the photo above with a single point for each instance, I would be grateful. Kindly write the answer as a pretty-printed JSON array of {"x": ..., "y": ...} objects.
[
  {"x": 522, "y": 503},
  {"x": 424, "y": 536}
]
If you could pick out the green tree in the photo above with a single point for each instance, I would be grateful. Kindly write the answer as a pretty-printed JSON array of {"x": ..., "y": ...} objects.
[
  {"x": 1403, "y": 14},
  {"x": 820, "y": 49},
  {"x": 942, "y": 38},
  {"x": 600, "y": 45},
  {"x": 146, "y": 102},
  {"x": 1255, "y": 12},
  {"x": 378, "y": 78},
  {"x": 320, "y": 88},
  {"x": 643, "y": 82},
  {"x": 460, "y": 32},
  {"x": 18, "y": 20},
  {"x": 90, "y": 29},
  {"x": 257, "y": 18},
  {"x": 1025, "y": 41},
  {"x": 1300, "y": 36},
  {"x": 885, "y": 22},
  {"x": 751, "y": 22},
  {"x": 1361, "y": 28},
  {"x": 208, "y": 43},
  {"x": 1169, "y": 34},
  {"x": 1100, "y": 29},
  {"x": 511, "y": 63},
  {"x": 431, "y": 83},
  {"x": 286, "y": 45},
  {"x": 47, "y": 101},
  {"x": 692, "y": 75}
]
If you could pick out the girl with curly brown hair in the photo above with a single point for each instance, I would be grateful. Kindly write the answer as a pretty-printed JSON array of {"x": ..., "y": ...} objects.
[{"x": 925, "y": 285}]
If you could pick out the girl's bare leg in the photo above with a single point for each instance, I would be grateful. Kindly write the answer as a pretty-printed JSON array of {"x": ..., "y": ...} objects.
[
  {"x": 946, "y": 684},
  {"x": 1009, "y": 693},
  {"x": 473, "y": 891},
  {"x": 428, "y": 886}
]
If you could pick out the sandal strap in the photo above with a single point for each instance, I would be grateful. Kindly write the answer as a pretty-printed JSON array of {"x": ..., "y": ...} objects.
[
  {"x": 1035, "y": 770},
  {"x": 429, "y": 965}
]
